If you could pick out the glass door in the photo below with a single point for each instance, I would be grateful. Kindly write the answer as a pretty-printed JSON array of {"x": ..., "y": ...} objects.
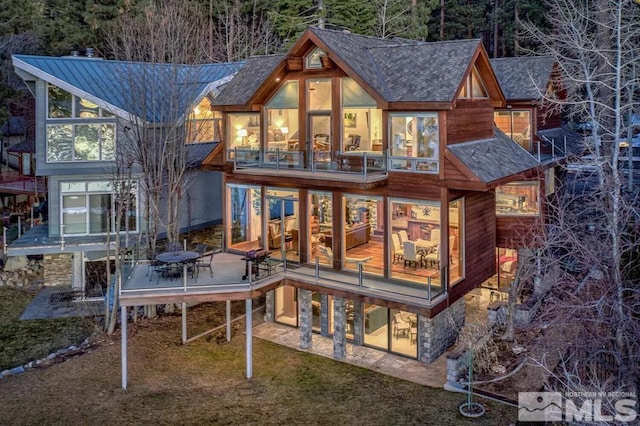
[
  {"x": 319, "y": 148},
  {"x": 283, "y": 224}
]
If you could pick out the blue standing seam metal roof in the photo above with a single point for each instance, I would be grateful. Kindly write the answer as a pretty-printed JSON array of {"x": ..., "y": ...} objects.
[{"x": 153, "y": 92}]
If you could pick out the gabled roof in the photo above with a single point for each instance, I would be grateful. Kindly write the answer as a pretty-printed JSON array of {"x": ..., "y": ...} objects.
[
  {"x": 197, "y": 152},
  {"x": 137, "y": 88},
  {"x": 241, "y": 88},
  {"x": 524, "y": 77},
  {"x": 403, "y": 70},
  {"x": 493, "y": 159},
  {"x": 398, "y": 70},
  {"x": 25, "y": 146}
]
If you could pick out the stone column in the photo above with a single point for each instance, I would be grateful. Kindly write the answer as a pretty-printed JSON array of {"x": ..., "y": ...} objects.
[
  {"x": 306, "y": 318},
  {"x": 358, "y": 323},
  {"x": 339, "y": 329},
  {"x": 437, "y": 334},
  {"x": 324, "y": 315},
  {"x": 269, "y": 308}
]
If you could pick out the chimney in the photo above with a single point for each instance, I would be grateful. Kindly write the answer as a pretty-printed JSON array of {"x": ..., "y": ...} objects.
[
  {"x": 89, "y": 52},
  {"x": 75, "y": 53}
]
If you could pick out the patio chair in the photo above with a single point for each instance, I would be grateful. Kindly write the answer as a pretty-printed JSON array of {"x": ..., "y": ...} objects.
[
  {"x": 400, "y": 325},
  {"x": 174, "y": 247},
  {"x": 203, "y": 263}
]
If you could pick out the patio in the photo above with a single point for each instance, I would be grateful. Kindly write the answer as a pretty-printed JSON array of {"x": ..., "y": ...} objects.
[{"x": 145, "y": 284}]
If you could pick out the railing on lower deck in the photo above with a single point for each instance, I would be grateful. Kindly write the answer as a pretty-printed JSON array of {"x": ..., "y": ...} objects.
[
  {"x": 362, "y": 164},
  {"x": 359, "y": 275}
]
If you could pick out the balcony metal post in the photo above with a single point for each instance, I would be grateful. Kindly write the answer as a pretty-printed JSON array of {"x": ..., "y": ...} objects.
[
  {"x": 277, "y": 158},
  {"x": 123, "y": 345},
  {"x": 235, "y": 157},
  {"x": 184, "y": 276},
  {"x": 317, "y": 267},
  {"x": 366, "y": 164},
  {"x": 429, "y": 288},
  {"x": 553, "y": 148},
  {"x": 360, "y": 274},
  {"x": 539, "y": 157},
  {"x": 184, "y": 323},
  {"x": 4, "y": 240}
]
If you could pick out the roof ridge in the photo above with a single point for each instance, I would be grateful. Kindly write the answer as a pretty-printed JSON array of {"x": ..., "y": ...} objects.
[{"x": 119, "y": 61}]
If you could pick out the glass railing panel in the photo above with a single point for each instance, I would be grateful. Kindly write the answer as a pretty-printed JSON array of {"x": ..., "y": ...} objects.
[{"x": 417, "y": 165}]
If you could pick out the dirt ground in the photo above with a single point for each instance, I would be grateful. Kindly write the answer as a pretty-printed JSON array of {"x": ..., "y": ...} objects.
[{"x": 203, "y": 383}]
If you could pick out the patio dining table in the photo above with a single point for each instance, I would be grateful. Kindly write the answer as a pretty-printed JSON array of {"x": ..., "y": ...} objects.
[{"x": 175, "y": 258}]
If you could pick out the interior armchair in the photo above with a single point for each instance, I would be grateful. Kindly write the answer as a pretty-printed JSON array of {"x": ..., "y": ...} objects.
[
  {"x": 321, "y": 142},
  {"x": 352, "y": 142},
  {"x": 274, "y": 237}
]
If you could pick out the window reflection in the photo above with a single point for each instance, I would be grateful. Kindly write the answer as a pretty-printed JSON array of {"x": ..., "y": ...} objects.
[{"x": 519, "y": 198}]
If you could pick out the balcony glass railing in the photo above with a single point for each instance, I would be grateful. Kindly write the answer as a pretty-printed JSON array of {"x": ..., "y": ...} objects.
[
  {"x": 361, "y": 164},
  {"x": 232, "y": 272},
  {"x": 412, "y": 164}
]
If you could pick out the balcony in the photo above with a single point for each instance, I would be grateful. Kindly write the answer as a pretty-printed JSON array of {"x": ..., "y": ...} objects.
[
  {"x": 231, "y": 281},
  {"x": 313, "y": 164}
]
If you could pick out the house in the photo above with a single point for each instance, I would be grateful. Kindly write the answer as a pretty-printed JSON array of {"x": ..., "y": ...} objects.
[
  {"x": 88, "y": 112},
  {"x": 536, "y": 124},
  {"x": 373, "y": 164}
]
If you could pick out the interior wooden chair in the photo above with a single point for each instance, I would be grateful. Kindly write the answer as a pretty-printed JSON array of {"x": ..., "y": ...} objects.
[
  {"x": 353, "y": 142},
  {"x": 411, "y": 256},
  {"x": 403, "y": 237},
  {"x": 398, "y": 251}
]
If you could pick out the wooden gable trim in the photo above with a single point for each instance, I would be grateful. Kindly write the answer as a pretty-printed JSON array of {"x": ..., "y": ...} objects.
[
  {"x": 480, "y": 60},
  {"x": 215, "y": 157},
  {"x": 449, "y": 156},
  {"x": 308, "y": 36}
]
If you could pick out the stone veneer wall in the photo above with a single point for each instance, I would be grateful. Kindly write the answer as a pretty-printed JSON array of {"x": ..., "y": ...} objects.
[
  {"x": 270, "y": 307},
  {"x": 440, "y": 332},
  {"x": 58, "y": 269}
]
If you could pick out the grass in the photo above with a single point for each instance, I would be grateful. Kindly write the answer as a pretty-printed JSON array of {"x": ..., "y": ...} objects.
[
  {"x": 203, "y": 383},
  {"x": 24, "y": 341}
]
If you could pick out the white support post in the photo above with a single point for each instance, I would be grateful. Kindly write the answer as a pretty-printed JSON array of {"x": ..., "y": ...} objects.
[
  {"x": 249, "y": 330},
  {"x": 123, "y": 349},
  {"x": 228, "y": 320},
  {"x": 184, "y": 323}
]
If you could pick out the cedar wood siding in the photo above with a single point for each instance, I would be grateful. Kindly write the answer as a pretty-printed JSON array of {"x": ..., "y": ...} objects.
[
  {"x": 470, "y": 121},
  {"x": 515, "y": 232},
  {"x": 480, "y": 242}
]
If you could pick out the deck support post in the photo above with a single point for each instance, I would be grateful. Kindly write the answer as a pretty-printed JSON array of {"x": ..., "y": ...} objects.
[
  {"x": 123, "y": 344},
  {"x": 249, "y": 332},
  {"x": 184, "y": 323},
  {"x": 228, "y": 320}
]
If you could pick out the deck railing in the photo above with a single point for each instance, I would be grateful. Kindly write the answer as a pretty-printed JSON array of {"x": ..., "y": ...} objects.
[
  {"x": 358, "y": 275},
  {"x": 361, "y": 164}
]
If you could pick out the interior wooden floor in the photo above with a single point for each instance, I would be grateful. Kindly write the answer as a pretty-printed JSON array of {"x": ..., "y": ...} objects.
[{"x": 375, "y": 266}]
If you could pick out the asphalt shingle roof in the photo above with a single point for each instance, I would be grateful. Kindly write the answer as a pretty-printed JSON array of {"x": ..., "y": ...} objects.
[
  {"x": 398, "y": 70},
  {"x": 493, "y": 159},
  {"x": 255, "y": 71},
  {"x": 197, "y": 152},
  {"x": 524, "y": 77},
  {"x": 403, "y": 70},
  {"x": 150, "y": 91}
]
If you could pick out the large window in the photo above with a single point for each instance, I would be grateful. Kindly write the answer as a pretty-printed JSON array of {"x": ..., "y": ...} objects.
[
  {"x": 282, "y": 118},
  {"x": 243, "y": 132},
  {"x": 362, "y": 120},
  {"x": 414, "y": 142},
  {"x": 319, "y": 94},
  {"x": 518, "y": 199},
  {"x": 77, "y": 129},
  {"x": 245, "y": 216},
  {"x": 516, "y": 124},
  {"x": 456, "y": 241},
  {"x": 415, "y": 239},
  {"x": 203, "y": 124},
  {"x": 320, "y": 225},
  {"x": 89, "y": 208}
]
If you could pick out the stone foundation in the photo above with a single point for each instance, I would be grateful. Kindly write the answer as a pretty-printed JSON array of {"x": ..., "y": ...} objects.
[
  {"x": 58, "y": 269},
  {"x": 437, "y": 334},
  {"x": 21, "y": 273}
]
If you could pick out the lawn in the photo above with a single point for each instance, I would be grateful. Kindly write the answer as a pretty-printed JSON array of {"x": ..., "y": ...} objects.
[
  {"x": 24, "y": 341},
  {"x": 203, "y": 383}
]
